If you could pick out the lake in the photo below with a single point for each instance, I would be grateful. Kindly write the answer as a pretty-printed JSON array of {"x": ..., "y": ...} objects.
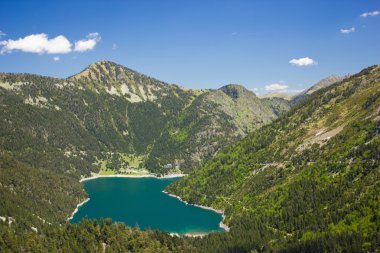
[{"x": 141, "y": 202}]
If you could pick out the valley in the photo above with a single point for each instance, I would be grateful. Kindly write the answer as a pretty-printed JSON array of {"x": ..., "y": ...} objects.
[
  {"x": 229, "y": 126},
  {"x": 288, "y": 176},
  {"x": 108, "y": 130}
]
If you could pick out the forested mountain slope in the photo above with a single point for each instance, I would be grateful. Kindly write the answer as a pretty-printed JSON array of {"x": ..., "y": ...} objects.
[
  {"x": 213, "y": 120},
  {"x": 107, "y": 112},
  {"x": 309, "y": 181},
  {"x": 34, "y": 207},
  {"x": 52, "y": 131},
  {"x": 78, "y": 121}
]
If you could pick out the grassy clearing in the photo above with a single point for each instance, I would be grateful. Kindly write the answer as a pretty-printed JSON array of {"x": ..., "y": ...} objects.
[{"x": 121, "y": 163}]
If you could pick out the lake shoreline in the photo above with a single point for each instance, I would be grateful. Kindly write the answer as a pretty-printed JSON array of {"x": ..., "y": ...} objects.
[
  {"x": 77, "y": 208},
  {"x": 95, "y": 176},
  {"x": 221, "y": 224},
  {"x": 195, "y": 234},
  {"x": 174, "y": 175}
]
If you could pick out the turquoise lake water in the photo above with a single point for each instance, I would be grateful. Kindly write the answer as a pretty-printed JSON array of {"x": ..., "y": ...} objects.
[{"x": 141, "y": 202}]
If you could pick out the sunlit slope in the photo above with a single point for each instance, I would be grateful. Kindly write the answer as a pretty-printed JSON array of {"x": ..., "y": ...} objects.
[
  {"x": 308, "y": 179},
  {"x": 107, "y": 112}
]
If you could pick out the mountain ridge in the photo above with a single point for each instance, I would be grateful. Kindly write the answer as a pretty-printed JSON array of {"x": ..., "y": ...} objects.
[
  {"x": 135, "y": 111},
  {"x": 306, "y": 181},
  {"x": 323, "y": 83}
]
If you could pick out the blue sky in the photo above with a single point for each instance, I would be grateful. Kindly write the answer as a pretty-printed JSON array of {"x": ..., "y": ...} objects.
[{"x": 196, "y": 44}]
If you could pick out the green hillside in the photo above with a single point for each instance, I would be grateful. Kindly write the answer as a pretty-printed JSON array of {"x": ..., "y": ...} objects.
[
  {"x": 309, "y": 181},
  {"x": 212, "y": 121},
  {"x": 109, "y": 111}
]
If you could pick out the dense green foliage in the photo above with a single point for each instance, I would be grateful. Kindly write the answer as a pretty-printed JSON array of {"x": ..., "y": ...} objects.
[
  {"x": 28, "y": 193},
  {"x": 212, "y": 121},
  {"x": 309, "y": 181},
  {"x": 69, "y": 124},
  {"x": 34, "y": 207},
  {"x": 90, "y": 236}
]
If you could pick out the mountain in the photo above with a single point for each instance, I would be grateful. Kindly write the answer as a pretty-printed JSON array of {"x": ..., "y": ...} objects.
[
  {"x": 54, "y": 131},
  {"x": 326, "y": 82},
  {"x": 212, "y": 121},
  {"x": 307, "y": 182},
  {"x": 120, "y": 81},
  {"x": 296, "y": 97},
  {"x": 109, "y": 116},
  {"x": 81, "y": 122}
]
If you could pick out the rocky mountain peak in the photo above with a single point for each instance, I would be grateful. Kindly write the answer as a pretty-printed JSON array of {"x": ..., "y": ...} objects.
[
  {"x": 104, "y": 71},
  {"x": 235, "y": 90}
]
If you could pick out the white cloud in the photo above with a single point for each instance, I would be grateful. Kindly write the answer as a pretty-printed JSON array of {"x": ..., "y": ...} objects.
[
  {"x": 370, "y": 14},
  {"x": 2, "y": 34},
  {"x": 41, "y": 44},
  {"x": 37, "y": 43},
  {"x": 115, "y": 46},
  {"x": 303, "y": 62},
  {"x": 347, "y": 31},
  {"x": 56, "y": 58},
  {"x": 88, "y": 44},
  {"x": 276, "y": 87},
  {"x": 256, "y": 90}
]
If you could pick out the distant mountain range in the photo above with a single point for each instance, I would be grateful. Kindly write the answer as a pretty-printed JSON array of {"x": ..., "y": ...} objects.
[
  {"x": 295, "y": 97},
  {"x": 326, "y": 82}
]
